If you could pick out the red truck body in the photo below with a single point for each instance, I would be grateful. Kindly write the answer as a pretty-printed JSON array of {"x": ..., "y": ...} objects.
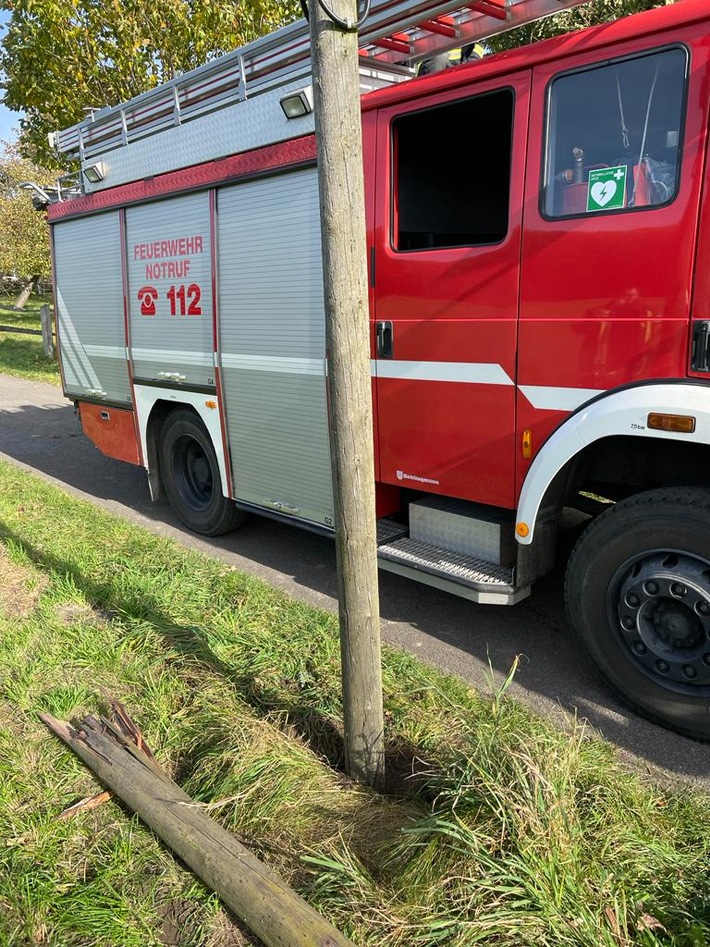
[{"x": 537, "y": 229}]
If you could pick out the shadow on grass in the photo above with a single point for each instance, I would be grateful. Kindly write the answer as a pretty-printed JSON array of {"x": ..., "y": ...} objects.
[
  {"x": 26, "y": 355},
  {"x": 29, "y": 314},
  {"x": 555, "y": 676},
  {"x": 405, "y": 764}
]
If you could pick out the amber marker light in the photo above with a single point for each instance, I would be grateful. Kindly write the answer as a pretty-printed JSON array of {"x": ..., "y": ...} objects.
[
  {"x": 679, "y": 423},
  {"x": 522, "y": 529},
  {"x": 527, "y": 443},
  {"x": 212, "y": 405}
]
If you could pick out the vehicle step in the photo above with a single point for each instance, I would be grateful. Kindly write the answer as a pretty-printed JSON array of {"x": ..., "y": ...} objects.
[
  {"x": 389, "y": 529},
  {"x": 468, "y": 576}
]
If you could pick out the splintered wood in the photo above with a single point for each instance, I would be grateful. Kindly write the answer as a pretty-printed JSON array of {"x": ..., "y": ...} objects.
[
  {"x": 119, "y": 723},
  {"x": 115, "y": 750}
]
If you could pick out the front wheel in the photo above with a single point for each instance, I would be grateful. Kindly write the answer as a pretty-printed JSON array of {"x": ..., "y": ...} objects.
[
  {"x": 637, "y": 593},
  {"x": 190, "y": 474}
]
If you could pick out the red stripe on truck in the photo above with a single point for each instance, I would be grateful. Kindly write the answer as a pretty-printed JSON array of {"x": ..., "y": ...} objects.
[{"x": 294, "y": 152}]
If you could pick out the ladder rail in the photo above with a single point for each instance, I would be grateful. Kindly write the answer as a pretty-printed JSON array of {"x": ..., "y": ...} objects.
[
  {"x": 395, "y": 31},
  {"x": 249, "y": 67},
  {"x": 476, "y": 21}
]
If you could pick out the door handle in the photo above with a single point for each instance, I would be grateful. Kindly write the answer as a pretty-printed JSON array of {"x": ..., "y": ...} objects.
[
  {"x": 385, "y": 333},
  {"x": 700, "y": 354}
]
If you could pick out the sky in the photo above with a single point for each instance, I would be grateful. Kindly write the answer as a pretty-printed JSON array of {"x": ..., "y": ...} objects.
[{"x": 8, "y": 119}]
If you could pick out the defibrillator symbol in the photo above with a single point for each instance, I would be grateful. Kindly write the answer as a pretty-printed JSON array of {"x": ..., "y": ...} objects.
[{"x": 607, "y": 188}]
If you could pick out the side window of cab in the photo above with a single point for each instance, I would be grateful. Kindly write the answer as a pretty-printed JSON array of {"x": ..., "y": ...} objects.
[
  {"x": 614, "y": 135},
  {"x": 451, "y": 169}
]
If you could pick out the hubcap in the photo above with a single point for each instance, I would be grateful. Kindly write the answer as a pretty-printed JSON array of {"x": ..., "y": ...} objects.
[
  {"x": 661, "y": 607},
  {"x": 193, "y": 473}
]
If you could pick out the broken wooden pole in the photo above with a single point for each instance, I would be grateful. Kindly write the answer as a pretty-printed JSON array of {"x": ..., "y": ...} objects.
[{"x": 256, "y": 895}]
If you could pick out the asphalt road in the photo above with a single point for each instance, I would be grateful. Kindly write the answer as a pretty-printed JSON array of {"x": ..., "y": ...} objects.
[{"x": 38, "y": 430}]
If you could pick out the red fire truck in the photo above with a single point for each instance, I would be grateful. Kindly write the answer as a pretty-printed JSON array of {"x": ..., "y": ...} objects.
[{"x": 538, "y": 230}]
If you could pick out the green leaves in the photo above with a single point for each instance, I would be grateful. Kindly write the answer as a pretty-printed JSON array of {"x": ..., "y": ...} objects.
[
  {"x": 589, "y": 14},
  {"x": 24, "y": 237},
  {"x": 61, "y": 58}
]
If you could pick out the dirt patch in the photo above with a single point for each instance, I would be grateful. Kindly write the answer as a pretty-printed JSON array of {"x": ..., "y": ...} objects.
[
  {"x": 20, "y": 587},
  {"x": 72, "y": 612},
  {"x": 11, "y": 721},
  {"x": 177, "y": 922},
  {"x": 228, "y": 933},
  {"x": 180, "y": 923}
]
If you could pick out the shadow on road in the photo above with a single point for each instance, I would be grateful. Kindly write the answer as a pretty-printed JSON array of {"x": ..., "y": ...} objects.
[{"x": 554, "y": 677}]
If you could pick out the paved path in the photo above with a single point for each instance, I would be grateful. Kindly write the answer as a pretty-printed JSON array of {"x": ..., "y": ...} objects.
[{"x": 38, "y": 429}]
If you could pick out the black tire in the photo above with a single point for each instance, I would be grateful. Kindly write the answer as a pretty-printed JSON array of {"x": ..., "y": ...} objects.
[
  {"x": 637, "y": 593},
  {"x": 190, "y": 475}
]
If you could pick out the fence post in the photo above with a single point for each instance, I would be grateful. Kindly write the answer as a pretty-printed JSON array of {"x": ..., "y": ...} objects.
[{"x": 45, "y": 316}]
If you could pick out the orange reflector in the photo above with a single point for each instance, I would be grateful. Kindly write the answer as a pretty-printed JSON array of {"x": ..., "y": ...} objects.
[
  {"x": 522, "y": 529},
  {"x": 527, "y": 443},
  {"x": 211, "y": 405},
  {"x": 680, "y": 423}
]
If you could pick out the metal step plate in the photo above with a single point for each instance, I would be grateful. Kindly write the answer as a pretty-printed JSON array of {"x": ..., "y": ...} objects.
[
  {"x": 388, "y": 530},
  {"x": 467, "y": 576}
]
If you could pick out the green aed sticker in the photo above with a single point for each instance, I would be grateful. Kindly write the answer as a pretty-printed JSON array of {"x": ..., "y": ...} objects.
[{"x": 607, "y": 188}]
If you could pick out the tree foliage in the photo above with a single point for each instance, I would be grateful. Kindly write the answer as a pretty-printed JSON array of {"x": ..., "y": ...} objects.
[
  {"x": 588, "y": 14},
  {"x": 61, "y": 57},
  {"x": 24, "y": 238}
]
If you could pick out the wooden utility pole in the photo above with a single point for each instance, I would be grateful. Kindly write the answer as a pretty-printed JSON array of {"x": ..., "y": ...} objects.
[{"x": 336, "y": 83}]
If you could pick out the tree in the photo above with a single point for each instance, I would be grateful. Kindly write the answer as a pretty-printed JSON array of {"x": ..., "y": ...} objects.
[
  {"x": 62, "y": 57},
  {"x": 589, "y": 14},
  {"x": 24, "y": 237}
]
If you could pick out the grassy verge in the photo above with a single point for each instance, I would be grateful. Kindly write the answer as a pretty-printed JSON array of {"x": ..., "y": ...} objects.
[
  {"x": 509, "y": 833},
  {"x": 23, "y": 355}
]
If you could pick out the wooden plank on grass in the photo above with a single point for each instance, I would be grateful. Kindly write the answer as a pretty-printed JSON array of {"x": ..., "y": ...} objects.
[{"x": 257, "y": 895}]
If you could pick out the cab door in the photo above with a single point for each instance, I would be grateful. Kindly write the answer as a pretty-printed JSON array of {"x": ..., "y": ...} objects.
[
  {"x": 614, "y": 174},
  {"x": 447, "y": 259}
]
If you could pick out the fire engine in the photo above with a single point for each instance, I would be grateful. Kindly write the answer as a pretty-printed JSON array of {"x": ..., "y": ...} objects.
[{"x": 537, "y": 235}]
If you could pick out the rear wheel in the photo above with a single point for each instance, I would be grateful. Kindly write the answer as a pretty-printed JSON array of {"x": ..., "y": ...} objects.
[
  {"x": 190, "y": 474},
  {"x": 638, "y": 595}
]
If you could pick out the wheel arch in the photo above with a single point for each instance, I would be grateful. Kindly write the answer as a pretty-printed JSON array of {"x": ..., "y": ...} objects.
[
  {"x": 609, "y": 426},
  {"x": 154, "y": 405}
]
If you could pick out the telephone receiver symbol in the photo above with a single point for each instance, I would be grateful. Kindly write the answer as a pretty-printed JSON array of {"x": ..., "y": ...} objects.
[{"x": 147, "y": 296}]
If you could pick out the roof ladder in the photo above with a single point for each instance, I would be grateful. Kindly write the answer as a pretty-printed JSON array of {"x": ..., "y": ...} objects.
[{"x": 396, "y": 35}]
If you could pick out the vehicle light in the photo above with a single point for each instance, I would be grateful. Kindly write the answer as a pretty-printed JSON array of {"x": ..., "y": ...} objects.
[
  {"x": 298, "y": 104},
  {"x": 211, "y": 405},
  {"x": 680, "y": 423},
  {"x": 527, "y": 443},
  {"x": 522, "y": 529},
  {"x": 95, "y": 172}
]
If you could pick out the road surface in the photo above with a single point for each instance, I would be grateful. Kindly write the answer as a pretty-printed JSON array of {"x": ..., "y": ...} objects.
[{"x": 38, "y": 429}]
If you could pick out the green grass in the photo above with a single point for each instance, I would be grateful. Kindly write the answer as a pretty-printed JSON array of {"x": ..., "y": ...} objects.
[
  {"x": 511, "y": 832},
  {"x": 23, "y": 355}
]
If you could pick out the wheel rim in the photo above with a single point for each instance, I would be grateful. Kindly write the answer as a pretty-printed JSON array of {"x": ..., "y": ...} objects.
[
  {"x": 193, "y": 473},
  {"x": 659, "y": 604}
]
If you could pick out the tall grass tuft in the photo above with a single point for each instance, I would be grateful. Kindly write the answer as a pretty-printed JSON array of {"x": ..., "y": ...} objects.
[{"x": 503, "y": 829}]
